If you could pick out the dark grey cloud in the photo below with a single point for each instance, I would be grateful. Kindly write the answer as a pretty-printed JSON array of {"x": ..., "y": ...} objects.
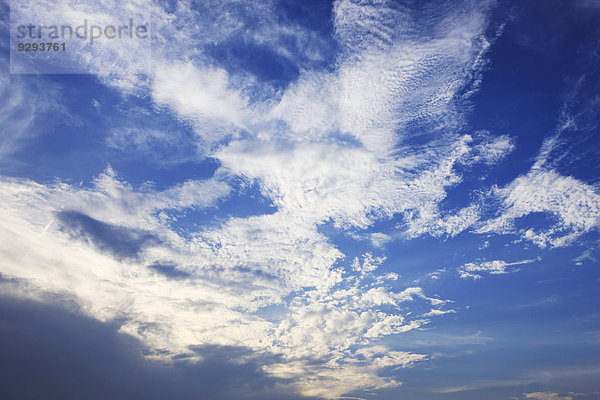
[
  {"x": 120, "y": 241},
  {"x": 169, "y": 270},
  {"x": 47, "y": 352}
]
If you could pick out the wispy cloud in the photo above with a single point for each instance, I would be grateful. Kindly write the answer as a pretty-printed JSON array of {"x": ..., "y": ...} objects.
[
  {"x": 549, "y": 396},
  {"x": 574, "y": 204},
  {"x": 474, "y": 270},
  {"x": 548, "y": 375}
]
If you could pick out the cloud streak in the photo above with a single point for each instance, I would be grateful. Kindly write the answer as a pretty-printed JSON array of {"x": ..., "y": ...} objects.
[{"x": 474, "y": 270}]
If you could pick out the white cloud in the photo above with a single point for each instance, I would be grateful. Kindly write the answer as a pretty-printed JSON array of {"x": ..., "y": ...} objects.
[
  {"x": 377, "y": 239},
  {"x": 493, "y": 150},
  {"x": 369, "y": 263},
  {"x": 25, "y": 106},
  {"x": 339, "y": 326},
  {"x": 204, "y": 96},
  {"x": 435, "y": 312},
  {"x": 495, "y": 267},
  {"x": 547, "y": 396},
  {"x": 574, "y": 204}
]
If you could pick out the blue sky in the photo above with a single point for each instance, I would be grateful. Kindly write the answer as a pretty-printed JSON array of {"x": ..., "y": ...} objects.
[{"x": 304, "y": 199}]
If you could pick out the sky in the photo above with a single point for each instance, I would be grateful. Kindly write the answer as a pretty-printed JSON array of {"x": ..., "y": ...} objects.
[{"x": 302, "y": 199}]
